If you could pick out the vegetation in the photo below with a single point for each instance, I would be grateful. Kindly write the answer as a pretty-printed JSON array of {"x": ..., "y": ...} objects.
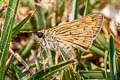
[{"x": 22, "y": 58}]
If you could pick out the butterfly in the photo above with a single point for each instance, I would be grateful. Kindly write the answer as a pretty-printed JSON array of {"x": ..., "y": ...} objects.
[{"x": 77, "y": 34}]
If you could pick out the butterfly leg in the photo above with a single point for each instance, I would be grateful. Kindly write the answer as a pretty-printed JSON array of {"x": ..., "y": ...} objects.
[
  {"x": 61, "y": 53},
  {"x": 57, "y": 57},
  {"x": 48, "y": 51}
]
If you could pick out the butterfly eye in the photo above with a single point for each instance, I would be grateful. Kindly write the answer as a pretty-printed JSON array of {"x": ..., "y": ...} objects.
[{"x": 40, "y": 34}]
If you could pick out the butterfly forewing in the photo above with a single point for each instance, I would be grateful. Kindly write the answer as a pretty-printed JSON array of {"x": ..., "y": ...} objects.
[
  {"x": 79, "y": 33},
  {"x": 94, "y": 21}
]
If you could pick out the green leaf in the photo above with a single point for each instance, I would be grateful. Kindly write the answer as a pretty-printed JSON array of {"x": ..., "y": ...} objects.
[
  {"x": 16, "y": 71},
  {"x": 118, "y": 66},
  {"x": 103, "y": 41},
  {"x": 69, "y": 74},
  {"x": 27, "y": 3},
  {"x": 41, "y": 19},
  {"x": 105, "y": 63},
  {"x": 43, "y": 74},
  {"x": 33, "y": 22},
  {"x": 85, "y": 11},
  {"x": 6, "y": 35},
  {"x": 100, "y": 75},
  {"x": 17, "y": 28},
  {"x": 97, "y": 51},
  {"x": 36, "y": 60},
  {"x": 74, "y": 12},
  {"x": 1, "y": 1},
  {"x": 112, "y": 53}
]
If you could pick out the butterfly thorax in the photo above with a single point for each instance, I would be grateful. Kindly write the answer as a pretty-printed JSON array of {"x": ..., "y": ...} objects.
[
  {"x": 53, "y": 43},
  {"x": 46, "y": 39}
]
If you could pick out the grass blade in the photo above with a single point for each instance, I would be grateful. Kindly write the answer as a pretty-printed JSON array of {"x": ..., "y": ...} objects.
[
  {"x": 113, "y": 73},
  {"x": 20, "y": 25},
  {"x": 6, "y": 35},
  {"x": 118, "y": 66},
  {"x": 103, "y": 41},
  {"x": 93, "y": 75},
  {"x": 85, "y": 11},
  {"x": 105, "y": 63},
  {"x": 97, "y": 51},
  {"x": 1, "y": 1},
  {"x": 33, "y": 23},
  {"x": 43, "y": 74},
  {"x": 36, "y": 60},
  {"x": 74, "y": 12},
  {"x": 41, "y": 19},
  {"x": 16, "y": 71}
]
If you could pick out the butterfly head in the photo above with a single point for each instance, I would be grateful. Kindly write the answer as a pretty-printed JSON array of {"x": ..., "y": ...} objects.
[{"x": 38, "y": 35}]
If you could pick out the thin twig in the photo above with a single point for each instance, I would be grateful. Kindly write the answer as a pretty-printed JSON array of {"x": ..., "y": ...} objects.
[
  {"x": 21, "y": 60},
  {"x": 85, "y": 8},
  {"x": 8, "y": 63}
]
